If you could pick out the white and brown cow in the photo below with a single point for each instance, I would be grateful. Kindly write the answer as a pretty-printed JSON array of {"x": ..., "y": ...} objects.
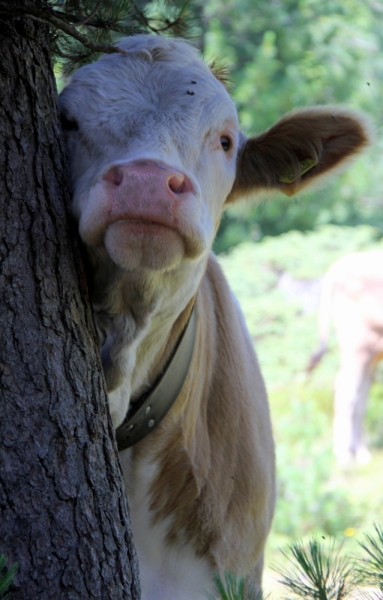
[
  {"x": 155, "y": 154},
  {"x": 352, "y": 297}
]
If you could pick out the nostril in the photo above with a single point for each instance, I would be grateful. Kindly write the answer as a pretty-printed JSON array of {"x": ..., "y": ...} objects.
[
  {"x": 115, "y": 175},
  {"x": 179, "y": 184}
]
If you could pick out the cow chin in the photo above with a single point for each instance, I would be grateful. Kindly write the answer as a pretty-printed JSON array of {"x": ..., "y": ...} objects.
[{"x": 134, "y": 245}]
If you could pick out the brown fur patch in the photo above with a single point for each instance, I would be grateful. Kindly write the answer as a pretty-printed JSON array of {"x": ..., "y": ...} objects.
[
  {"x": 327, "y": 136},
  {"x": 214, "y": 449}
]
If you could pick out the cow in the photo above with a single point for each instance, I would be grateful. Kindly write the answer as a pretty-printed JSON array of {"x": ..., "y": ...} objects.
[
  {"x": 155, "y": 154},
  {"x": 352, "y": 296}
]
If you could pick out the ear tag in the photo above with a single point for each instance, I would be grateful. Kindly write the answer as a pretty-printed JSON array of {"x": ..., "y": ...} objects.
[{"x": 305, "y": 165}]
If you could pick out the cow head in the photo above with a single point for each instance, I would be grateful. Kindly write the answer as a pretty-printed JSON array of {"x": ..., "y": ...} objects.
[{"x": 155, "y": 151}]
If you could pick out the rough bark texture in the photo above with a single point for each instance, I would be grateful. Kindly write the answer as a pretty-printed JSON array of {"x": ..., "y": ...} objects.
[{"x": 63, "y": 511}]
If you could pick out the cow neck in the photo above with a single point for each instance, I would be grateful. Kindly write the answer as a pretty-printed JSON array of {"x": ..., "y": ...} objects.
[{"x": 147, "y": 412}]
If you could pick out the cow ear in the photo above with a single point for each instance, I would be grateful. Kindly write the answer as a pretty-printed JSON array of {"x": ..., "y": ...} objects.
[{"x": 301, "y": 148}]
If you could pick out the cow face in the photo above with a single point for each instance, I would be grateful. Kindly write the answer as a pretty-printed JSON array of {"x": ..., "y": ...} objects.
[{"x": 152, "y": 141}]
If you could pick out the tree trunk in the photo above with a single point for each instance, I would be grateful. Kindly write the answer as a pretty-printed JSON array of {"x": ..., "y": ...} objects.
[{"x": 63, "y": 511}]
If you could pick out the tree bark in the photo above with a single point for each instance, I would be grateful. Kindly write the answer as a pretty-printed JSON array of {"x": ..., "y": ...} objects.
[{"x": 63, "y": 510}]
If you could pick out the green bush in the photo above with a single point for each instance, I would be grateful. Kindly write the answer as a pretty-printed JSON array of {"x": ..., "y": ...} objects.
[{"x": 309, "y": 497}]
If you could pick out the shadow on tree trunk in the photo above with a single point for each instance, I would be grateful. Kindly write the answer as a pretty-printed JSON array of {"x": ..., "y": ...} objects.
[{"x": 64, "y": 513}]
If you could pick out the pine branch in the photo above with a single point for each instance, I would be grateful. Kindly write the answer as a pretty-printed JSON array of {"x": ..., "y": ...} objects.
[
  {"x": 316, "y": 573},
  {"x": 144, "y": 20},
  {"x": 82, "y": 29},
  {"x": 92, "y": 14},
  {"x": 232, "y": 587},
  {"x": 369, "y": 567},
  {"x": 93, "y": 20},
  {"x": 47, "y": 17}
]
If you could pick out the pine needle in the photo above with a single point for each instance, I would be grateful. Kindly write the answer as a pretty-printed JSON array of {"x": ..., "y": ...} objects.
[
  {"x": 315, "y": 572},
  {"x": 232, "y": 587},
  {"x": 6, "y": 575},
  {"x": 80, "y": 30},
  {"x": 369, "y": 566}
]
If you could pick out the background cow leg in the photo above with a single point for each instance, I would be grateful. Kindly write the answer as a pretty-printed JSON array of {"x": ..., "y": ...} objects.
[{"x": 352, "y": 385}]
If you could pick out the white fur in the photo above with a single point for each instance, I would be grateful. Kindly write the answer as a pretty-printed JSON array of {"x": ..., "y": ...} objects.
[{"x": 166, "y": 573}]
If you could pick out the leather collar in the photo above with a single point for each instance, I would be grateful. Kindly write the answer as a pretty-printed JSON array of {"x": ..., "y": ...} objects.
[{"x": 147, "y": 412}]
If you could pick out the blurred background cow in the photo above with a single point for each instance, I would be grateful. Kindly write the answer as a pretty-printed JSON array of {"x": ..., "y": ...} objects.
[{"x": 352, "y": 297}]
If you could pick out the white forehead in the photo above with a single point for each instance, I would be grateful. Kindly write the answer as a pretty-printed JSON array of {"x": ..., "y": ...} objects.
[{"x": 157, "y": 78}]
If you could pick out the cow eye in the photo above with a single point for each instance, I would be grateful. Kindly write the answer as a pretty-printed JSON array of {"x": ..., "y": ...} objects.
[
  {"x": 68, "y": 124},
  {"x": 225, "y": 143}
]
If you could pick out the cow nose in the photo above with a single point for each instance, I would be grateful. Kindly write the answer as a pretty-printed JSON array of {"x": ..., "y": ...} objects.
[
  {"x": 178, "y": 183},
  {"x": 115, "y": 175},
  {"x": 149, "y": 172}
]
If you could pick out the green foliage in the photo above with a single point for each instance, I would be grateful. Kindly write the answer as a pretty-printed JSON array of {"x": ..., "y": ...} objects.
[
  {"x": 91, "y": 23},
  {"x": 301, "y": 49},
  {"x": 374, "y": 414},
  {"x": 101, "y": 23},
  {"x": 318, "y": 570},
  {"x": 6, "y": 576},
  {"x": 299, "y": 53},
  {"x": 308, "y": 497},
  {"x": 315, "y": 572},
  {"x": 98, "y": 22},
  {"x": 369, "y": 567},
  {"x": 231, "y": 587},
  {"x": 82, "y": 29}
]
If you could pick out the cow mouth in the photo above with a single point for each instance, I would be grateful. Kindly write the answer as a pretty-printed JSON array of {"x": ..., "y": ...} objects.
[
  {"x": 148, "y": 241},
  {"x": 144, "y": 243},
  {"x": 145, "y": 225},
  {"x": 157, "y": 226}
]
